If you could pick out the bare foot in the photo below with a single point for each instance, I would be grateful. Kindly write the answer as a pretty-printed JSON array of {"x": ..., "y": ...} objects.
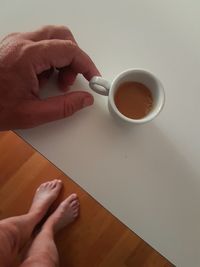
[
  {"x": 45, "y": 195},
  {"x": 65, "y": 214}
]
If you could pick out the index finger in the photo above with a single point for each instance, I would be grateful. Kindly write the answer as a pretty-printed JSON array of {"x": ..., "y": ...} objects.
[
  {"x": 49, "y": 32},
  {"x": 82, "y": 63},
  {"x": 61, "y": 53}
]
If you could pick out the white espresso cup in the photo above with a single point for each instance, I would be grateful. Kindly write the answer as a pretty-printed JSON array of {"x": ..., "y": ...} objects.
[{"x": 104, "y": 87}]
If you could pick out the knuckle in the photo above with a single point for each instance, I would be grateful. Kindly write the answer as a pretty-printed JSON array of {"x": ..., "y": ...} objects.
[
  {"x": 71, "y": 45},
  {"x": 64, "y": 29},
  {"x": 25, "y": 53},
  {"x": 69, "y": 108},
  {"x": 12, "y": 35},
  {"x": 46, "y": 28},
  {"x": 28, "y": 49},
  {"x": 65, "y": 33},
  {"x": 60, "y": 29},
  {"x": 11, "y": 51}
]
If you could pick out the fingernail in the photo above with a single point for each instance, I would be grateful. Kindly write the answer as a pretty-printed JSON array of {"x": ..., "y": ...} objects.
[{"x": 88, "y": 101}]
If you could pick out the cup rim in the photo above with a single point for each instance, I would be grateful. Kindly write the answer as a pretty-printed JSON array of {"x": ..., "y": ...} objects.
[{"x": 150, "y": 116}]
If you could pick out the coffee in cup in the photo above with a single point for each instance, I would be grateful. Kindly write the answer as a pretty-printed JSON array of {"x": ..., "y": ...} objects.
[
  {"x": 135, "y": 96},
  {"x": 133, "y": 99}
]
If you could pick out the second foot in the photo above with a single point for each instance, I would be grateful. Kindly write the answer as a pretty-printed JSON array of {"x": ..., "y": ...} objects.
[{"x": 65, "y": 214}]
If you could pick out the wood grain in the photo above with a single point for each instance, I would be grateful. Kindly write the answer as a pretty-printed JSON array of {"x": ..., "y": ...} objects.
[{"x": 96, "y": 239}]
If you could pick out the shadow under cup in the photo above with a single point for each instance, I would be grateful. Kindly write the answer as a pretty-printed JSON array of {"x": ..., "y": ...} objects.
[{"x": 147, "y": 79}]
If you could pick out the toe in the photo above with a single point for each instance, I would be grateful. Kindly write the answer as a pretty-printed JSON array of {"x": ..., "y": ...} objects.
[
  {"x": 58, "y": 184},
  {"x": 72, "y": 197},
  {"x": 75, "y": 211},
  {"x": 42, "y": 186},
  {"x": 75, "y": 206},
  {"x": 46, "y": 185},
  {"x": 75, "y": 214},
  {"x": 74, "y": 203},
  {"x": 68, "y": 200},
  {"x": 53, "y": 184}
]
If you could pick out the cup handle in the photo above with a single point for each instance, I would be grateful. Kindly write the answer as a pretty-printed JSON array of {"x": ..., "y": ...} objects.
[{"x": 100, "y": 85}]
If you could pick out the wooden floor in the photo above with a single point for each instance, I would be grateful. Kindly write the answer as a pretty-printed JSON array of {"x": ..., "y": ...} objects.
[{"x": 96, "y": 239}]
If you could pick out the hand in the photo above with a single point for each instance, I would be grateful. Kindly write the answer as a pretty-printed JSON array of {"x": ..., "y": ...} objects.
[{"x": 26, "y": 62}]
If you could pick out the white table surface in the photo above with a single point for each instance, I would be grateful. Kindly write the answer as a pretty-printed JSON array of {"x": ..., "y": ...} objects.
[{"x": 148, "y": 176}]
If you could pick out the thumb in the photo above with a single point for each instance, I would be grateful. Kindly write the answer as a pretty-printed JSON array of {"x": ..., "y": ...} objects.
[{"x": 36, "y": 112}]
